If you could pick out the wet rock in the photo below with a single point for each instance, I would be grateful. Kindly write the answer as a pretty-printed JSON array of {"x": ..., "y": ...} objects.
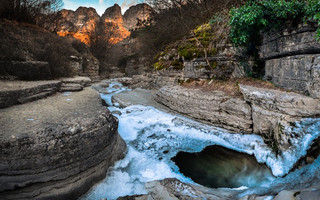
[
  {"x": 287, "y": 195},
  {"x": 116, "y": 112},
  {"x": 173, "y": 189},
  {"x": 272, "y": 110}
]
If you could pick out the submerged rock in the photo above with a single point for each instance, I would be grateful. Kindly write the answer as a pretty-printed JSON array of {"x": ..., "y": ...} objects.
[{"x": 62, "y": 146}]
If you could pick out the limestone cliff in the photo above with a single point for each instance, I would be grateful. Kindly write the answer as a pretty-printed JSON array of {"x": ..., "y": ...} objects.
[
  {"x": 81, "y": 24},
  {"x": 292, "y": 58}
]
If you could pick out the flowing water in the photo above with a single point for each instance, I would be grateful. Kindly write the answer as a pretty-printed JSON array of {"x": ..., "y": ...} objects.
[{"x": 154, "y": 137}]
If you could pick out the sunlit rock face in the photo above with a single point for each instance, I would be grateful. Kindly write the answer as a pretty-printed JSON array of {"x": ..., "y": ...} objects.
[
  {"x": 114, "y": 23},
  {"x": 79, "y": 24},
  {"x": 82, "y": 23}
]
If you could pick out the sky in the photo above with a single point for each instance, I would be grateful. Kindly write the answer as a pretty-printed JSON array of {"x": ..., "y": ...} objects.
[{"x": 99, "y": 5}]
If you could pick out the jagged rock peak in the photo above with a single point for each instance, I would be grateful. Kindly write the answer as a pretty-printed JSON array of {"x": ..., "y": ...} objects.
[
  {"x": 86, "y": 11},
  {"x": 140, "y": 12},
  {"x": 113, "y": 12}
]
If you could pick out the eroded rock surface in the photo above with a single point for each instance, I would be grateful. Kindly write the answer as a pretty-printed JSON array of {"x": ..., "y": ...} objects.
[
  {"x": 272, "y": 110},
  {"x": 292, "y": 58},
  {"x": 215, "y": 107},
  {"x": 173, "y": 189},
  {"x": 57, "y": 148},
  {"x": 263, "y": 111}
]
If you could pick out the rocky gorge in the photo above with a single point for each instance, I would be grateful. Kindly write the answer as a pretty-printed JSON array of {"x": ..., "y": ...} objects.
[{"x": 194, "y": 128}]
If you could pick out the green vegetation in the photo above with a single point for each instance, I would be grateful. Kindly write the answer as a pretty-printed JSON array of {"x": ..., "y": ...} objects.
[{"x": 261, "y": 15}]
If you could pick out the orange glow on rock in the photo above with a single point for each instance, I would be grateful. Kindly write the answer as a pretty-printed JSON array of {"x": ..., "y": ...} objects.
[{"x": 115, "y": 31}]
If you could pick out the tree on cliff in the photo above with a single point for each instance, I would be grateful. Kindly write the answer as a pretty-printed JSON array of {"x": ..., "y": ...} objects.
[{"x": 31, "y": 11}]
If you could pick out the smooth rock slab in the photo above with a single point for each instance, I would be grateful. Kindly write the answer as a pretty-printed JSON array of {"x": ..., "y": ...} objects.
[
  {"x": 57, "y": 148},
  {"x": 214, "y": 107}
]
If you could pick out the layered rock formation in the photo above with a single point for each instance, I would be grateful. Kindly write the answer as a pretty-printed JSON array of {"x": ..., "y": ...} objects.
[
  {"x": 262, "y": 111},
  {"x": 20, "y": 92},
  {"x": 62, "y": 146},
  {"x": 292, "y": 58},
  {"x": 79, "y": 23},
  {"x": 215, "y": 107},
  {"x": 83, "y": 23}
]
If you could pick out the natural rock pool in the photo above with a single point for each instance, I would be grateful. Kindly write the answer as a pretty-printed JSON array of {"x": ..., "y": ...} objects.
[
  {"x": 217, "y": 166},
  {"x": 154, "y": 137}
]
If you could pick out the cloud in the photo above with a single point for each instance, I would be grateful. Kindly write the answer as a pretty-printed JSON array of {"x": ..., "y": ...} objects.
[{"x": 100, "y": 2}]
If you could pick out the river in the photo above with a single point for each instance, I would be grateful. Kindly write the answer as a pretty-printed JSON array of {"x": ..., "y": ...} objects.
[{"x": 154, "y": 137}]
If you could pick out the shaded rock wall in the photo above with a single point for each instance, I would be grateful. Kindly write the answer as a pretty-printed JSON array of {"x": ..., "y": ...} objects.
[{"x": 292, "y": 58}]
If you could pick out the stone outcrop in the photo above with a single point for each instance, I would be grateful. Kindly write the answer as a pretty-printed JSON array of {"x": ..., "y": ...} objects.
[
  {"x": 173, "y": 189},
  {"x": 215, "y": 107},
  {"x": 263, "y": 111},
  {"x": 55, "y": 152},
  {"x": 272, "y": 110},
  {"x": 137, "y": 16},
  {"x": 26, "y": 70},
  {"x": 79, "y": 23},
  {"x": 20, "y": 92},
  {"x": 292, "y": 58},
  {"x": 227, "y": 67},
  {"x": 86, "y": 65}
]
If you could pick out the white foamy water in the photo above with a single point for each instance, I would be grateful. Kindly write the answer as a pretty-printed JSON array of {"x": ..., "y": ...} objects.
[{"x": 154, "y": 137}]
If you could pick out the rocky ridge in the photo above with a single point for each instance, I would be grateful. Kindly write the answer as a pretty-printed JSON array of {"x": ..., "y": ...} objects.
[{"x": 81, "y": 24}]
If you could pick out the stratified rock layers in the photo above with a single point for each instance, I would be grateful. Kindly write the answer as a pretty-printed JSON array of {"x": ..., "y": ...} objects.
[
  {"x": 215, "y": 107},
  {"x": 57, "y": 148},
  {"x": 292, "y": 58},
  {"x": 259, "y": 112}
]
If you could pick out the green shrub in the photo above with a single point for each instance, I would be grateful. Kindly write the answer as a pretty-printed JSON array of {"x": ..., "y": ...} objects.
[
  {"x": 158, "y": 66},
  {"x": 264, "y": 15}
]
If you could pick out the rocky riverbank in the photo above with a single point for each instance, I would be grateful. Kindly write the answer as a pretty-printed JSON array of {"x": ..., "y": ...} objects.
[
  {"x": 261, "y": 111},
  {"x": 58, "y": 147},
  {"x": 273, "y": 108}
]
